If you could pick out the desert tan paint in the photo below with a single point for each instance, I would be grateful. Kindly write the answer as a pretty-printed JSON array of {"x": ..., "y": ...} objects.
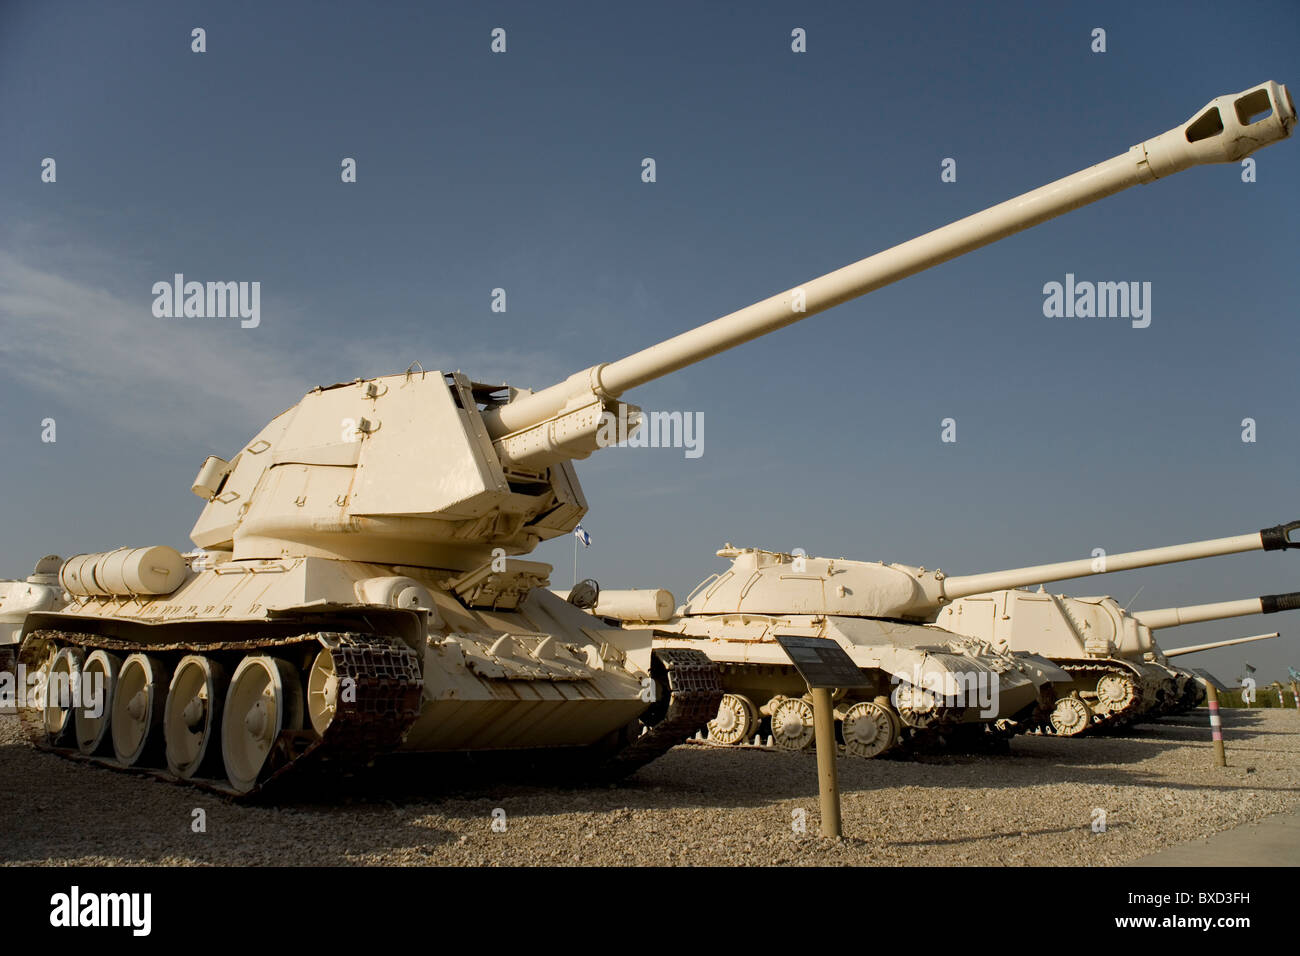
[
  {"x": 1063, "y": 627},
  {"x": 408, "y": 491},
  {"x": 766, "y": 582},
  {"x": 735, "y": 618},
  {"x": 40, "y": 591},
  {"x": 439, "y": 471},
  {"x": 1177, "y": 149},
  {"x": 1196, "y": 613},
  {"x": 646, "y": 606},
  {"x": 1091, "y": 629}
]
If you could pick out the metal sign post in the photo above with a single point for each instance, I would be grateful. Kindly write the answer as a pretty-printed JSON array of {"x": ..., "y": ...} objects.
[
  {"x": 824, "y": 666},
  {"x": 827, "y": 784}
]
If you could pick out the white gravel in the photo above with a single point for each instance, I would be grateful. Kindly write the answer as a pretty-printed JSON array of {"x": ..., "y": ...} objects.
[{"x": 698, "y": 805}]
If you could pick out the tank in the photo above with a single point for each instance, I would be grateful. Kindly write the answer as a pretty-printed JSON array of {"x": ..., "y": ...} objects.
[
  {"x": 921, "y": 685},
  {"x": 736, "y": 617},
  {"x": 963, "y": 605},
  {"x": 1115, "y": 680},
  {"x": 1120, "y": 673},
  {"x": 1183, "y": 690},
  {"x": 39, "y": 591},
  {"x": 1135, "y": 681},
  {"x": 360, "y": 588}
]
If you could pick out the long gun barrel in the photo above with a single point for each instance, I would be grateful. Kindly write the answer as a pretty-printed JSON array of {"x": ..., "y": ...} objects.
[
  {"x": 1194, "y": 614},
  {"x": 536, "y": 429},
  {"x": 1277, "y": 538},
  {"x": 1195, "y": 648}
]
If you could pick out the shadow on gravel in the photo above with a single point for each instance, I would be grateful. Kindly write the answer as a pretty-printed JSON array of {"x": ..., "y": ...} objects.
[
  {"x": 691, "y": 775},
  {"x": 410, "y": 804},
  {"x": 1201, "y": 718},
  {"x": 699, "y": 776},
  {"x": 1002, "y": 835}
]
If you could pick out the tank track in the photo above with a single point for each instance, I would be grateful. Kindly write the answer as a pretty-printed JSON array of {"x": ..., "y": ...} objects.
[
  {"x": 1193, "y": 697},
  {"x": 913, "y": 740},
  {"x": 694, "y": 694},
  {"x": 387, "y": 702},
  {"x": 1095, "y": 670}
]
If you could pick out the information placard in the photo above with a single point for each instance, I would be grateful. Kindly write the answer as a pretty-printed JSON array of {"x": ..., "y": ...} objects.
[{"x": 822, "y": 662}]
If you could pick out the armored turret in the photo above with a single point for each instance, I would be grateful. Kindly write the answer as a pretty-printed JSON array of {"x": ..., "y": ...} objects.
[
  {"x": 39, "y": 591},
  {"x": 358, "y": 588}
]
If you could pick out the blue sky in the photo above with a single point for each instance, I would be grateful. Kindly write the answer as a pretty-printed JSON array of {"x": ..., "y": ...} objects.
[{"x": 522, "y": 171}]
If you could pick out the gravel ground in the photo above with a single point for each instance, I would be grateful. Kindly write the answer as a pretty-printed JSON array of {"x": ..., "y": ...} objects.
[{"x": 698, "y": 805}]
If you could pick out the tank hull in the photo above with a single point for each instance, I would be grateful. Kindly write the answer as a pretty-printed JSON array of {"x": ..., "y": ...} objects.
[
  {"x": 439, "y": 661},
  {"x": 924, "y": 683}
]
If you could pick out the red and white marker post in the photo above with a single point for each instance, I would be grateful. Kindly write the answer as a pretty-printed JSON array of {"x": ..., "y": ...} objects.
[{"x": 1216, "y": 725}]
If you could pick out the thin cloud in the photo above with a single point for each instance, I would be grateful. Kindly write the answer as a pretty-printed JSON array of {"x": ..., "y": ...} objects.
[
  {"x": 98, "y": 350},
  {"x": 77, "y": 341}
]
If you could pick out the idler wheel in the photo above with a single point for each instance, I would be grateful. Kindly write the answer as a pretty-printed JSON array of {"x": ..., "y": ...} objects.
[
  {"x": 868, "y": 730},
  {"x": 193, "y": 716},
  {"x": 792, "y": 723},
  {"x": 62, "y": 693},
  {"x": 265, "y": 699},
  {"x": 1070, "y": 717},
  {"x": 137, "y": 709},
  {"x": 737, "y": 720},
  {"x": 93, "y": 715}
]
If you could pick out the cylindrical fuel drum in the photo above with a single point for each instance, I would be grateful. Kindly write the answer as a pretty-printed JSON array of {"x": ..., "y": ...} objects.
[
  {"x": 126, "y": 572},
  {"x": 650, "y": 605}
]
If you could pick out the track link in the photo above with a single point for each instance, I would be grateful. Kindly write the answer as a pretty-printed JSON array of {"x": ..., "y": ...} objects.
[{"x": 1094, "y": 671}]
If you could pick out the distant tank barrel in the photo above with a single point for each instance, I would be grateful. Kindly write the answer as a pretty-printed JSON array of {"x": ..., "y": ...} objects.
[
  {"x": 1276, "y": 538},
  {"x": 1196, "y": 648},
  {"x": 1226, "y": 130},
  {"x": 1174, "y": 616}
]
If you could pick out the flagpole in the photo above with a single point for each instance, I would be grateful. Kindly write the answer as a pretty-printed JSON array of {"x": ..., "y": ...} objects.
[{"x": 575, "y": 560}]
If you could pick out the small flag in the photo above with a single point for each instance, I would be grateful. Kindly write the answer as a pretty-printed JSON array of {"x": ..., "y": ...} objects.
[
  {"x": 1295, "y": 674},
  {"x": 580, "y": 533},
  {"x": 1249, "y": 669}
]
